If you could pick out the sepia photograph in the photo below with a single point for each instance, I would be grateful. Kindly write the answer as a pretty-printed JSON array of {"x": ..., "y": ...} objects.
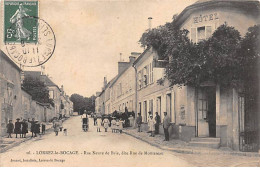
[{"x": 129, "y": 83}]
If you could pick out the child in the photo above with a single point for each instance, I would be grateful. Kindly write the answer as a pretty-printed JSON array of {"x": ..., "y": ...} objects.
[
  {"x": 121, "y": 122},
  {"x": 10, "y": 128},
  {"x": 99, "y": 122},
  {"x": 117, "y": 125},
  {"x": 106, "y": 123},
  {"x": 113, "y": 125}
]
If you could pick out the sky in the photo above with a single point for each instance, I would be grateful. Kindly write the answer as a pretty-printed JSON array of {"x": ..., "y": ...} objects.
[{"x": 90, "y": 35}]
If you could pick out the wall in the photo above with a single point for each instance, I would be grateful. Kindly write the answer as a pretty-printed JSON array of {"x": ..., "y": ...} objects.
[
  {"x": 123, "y": 91},
  {"x": 10, "y": 92}
]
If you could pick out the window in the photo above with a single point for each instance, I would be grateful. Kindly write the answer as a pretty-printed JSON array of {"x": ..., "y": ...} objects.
[
  {"x": 145, "y": 76},
  {"x": 200, "y": 33},
  {"x": 145, "y": 111},
  {"x": 151, "y": 106},
  {"x": 151, "y": 73},
  {"x": 51, "y": 94},
  {"x": 139, "y": 80}
]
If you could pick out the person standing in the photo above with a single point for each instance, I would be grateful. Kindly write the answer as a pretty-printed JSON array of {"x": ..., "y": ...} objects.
[
  {"x": 32, "y": 125},
  {"x": 56, "y": 126},
  {"x": 113, "y": 125},
  {"x": 151, "y": 124},
  {"x": 99, "y": 122},
  {"x": 10, "y": 129},
  {"x": 139, "y": 122},
  {"x": 37, "y": 127},
  {"x": 95, "y": 119},
  {"x": 17, "y": 127},
  {"x": 166, "y": 125},
  {"x": 157, "y": 124},
  {"x": 106, "y": 123},
  {"x": 121, "y": 122},
  {"x": 24, "y": 128}
]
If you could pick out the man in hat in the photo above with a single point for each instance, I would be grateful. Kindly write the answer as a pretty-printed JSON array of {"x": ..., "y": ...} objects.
[
  {"x": 10, "y": 128},
  {"x": 24, "y": 128},
  {"x": 166, "y": 125},
  {"x": 17, "y": 127},
  {"x": 32, "y": 125},
  {"x": 157, "y": 124},
  {"x": 37, "y": 127},
  {"x": 139, "y": 122}
]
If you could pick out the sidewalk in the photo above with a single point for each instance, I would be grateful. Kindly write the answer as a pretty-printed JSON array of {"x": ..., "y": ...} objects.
[
  {"x": 179, "y": 146},
  {"x": 8, "y": 143}
]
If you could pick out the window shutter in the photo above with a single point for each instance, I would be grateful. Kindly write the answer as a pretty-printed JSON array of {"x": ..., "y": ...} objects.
[
  {"x": 208, "y": 31},
  {"x": 193, "y": 35}
]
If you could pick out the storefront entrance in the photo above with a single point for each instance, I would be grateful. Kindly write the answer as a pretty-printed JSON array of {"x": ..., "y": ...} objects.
[{"x": 206, "y": 114}]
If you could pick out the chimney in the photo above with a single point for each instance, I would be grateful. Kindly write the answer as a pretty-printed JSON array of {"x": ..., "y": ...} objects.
[
  {"x": 42, "y": 70},
  {"x": 131, "y": 59},
  {"x": 150, "y": 22},
  {"x": 122, "y": 66},
  {"x": 105, "y": 81}
]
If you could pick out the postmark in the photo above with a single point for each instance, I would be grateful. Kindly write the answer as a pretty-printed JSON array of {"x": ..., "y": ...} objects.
[{"x": 29, "y": 40}]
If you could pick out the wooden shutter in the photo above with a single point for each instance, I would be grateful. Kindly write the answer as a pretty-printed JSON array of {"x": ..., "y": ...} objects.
[
  {"x": 208, "y": 31},
  {"x": 193, "y": 35}
]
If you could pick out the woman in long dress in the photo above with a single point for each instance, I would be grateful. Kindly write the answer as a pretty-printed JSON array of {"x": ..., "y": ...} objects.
[
  {"x": 99, "y": 122},
  {"x": 151, "y": 124},
  {"x": 17, "y": 18}
]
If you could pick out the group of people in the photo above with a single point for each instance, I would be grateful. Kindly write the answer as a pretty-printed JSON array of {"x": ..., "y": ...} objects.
[
  {"x": 116, "y": 124},
  {"x": 22, "y": 127},
  {"x": 154, "y": 124}
]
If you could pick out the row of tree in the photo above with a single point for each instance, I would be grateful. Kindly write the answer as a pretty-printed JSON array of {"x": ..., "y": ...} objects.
[{"x": 80, "y": 103}]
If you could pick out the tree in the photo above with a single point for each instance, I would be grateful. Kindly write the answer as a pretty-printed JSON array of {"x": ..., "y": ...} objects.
[
  {"x": 80, "y": 103},
  {"x": 37, "y": 89}
]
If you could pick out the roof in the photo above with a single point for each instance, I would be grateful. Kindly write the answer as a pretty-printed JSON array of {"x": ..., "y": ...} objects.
[
  {"x": 141, "y": 56},
  {"x": 109, "y": 84},
  {"x": 44, "y": 78},
  {"x": 2, "y": 54},
  {"x": 250, "y": 6}
]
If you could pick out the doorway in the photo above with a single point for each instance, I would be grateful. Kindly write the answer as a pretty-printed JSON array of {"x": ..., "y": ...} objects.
[{"x": 206, "y": 124}]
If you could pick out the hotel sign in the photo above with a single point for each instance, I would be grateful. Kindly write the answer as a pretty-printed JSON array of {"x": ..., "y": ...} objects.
[{"x": 205, "y": 18}]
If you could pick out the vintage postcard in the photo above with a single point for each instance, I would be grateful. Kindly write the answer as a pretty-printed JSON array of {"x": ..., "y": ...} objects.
[{"x": 129, "y": 83}]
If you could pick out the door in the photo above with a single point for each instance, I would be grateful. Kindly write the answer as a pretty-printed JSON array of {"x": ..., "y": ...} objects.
[
  {"x": 159, "y": 106},
  {"x": 206, "y": 112},
  {"x": 169, "y": 105},
  {"x": 145, "y": 111}
]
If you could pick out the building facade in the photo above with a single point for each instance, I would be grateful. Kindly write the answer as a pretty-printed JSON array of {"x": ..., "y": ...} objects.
[
  {"x": 209, "y": 113},
  {"x": 211, "y": 110},
  {"x": 10, "y": 91}
]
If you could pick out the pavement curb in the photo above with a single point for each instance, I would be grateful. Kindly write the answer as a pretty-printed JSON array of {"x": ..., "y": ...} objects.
[{"x": 195, "y": 151}]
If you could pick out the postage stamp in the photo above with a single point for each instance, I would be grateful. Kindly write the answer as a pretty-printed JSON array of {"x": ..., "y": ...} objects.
[
  {"x": 29, "y": 40},
  {"x": 16, "y": 27}
]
